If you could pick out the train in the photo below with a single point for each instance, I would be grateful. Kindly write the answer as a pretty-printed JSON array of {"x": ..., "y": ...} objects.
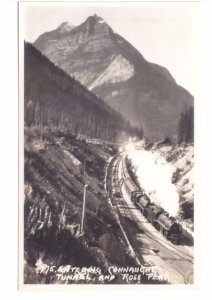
[{"x": 157, "y": 216}]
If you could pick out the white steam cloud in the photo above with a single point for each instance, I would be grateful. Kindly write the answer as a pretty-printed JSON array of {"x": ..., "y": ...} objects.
[{"x": 154, "y": 175}]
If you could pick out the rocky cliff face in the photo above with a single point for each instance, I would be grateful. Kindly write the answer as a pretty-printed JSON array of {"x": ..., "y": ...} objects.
[{"x": 145, "y": 93}]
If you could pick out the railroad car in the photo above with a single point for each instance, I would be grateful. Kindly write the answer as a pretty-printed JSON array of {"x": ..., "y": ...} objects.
[
  {"x": 169, "y": 227},
  {"x": 141, "y": 200},
  {"x": 152, "y": 213},
  {"x": 134, "y": 195},
  {"x": 156, "y": 215}
]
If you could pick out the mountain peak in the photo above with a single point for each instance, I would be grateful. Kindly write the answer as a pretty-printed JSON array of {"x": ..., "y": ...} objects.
[
  {"x": 111, "y": 67},
  {"x": 97, "y": 18},
  {"x": 94, "y": 19},
  {"x": 95, "y": 24},
  {"x": 66, "y": 27}
]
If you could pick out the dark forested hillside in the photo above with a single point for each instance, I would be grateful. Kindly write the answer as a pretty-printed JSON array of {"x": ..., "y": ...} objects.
[
  {"x": 54, "y": 99},
  {"x": 186, "y": 126}
]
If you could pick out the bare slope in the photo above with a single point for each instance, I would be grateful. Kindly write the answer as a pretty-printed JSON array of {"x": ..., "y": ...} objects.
[{"x": 54, "y": 183}]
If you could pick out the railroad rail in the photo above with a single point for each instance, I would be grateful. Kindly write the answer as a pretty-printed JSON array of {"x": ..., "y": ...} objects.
[{"x": 117, "y": 181}]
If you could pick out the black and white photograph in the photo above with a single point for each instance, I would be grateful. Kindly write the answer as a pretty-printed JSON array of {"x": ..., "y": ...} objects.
[{"x": 107, "y": 106}]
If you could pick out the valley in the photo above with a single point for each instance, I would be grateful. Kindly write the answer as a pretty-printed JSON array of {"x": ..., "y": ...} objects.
[{"x": 108, "y": 162}]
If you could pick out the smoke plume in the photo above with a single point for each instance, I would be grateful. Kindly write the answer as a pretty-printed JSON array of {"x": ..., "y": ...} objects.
[{"x": 154, "y": 175}]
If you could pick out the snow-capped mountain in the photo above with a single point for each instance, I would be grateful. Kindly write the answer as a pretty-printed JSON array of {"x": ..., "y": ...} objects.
[{"x": 145, "y": 93}]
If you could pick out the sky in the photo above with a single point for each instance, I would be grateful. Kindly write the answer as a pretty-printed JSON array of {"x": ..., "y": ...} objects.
[{"x": 167, "y": 34}]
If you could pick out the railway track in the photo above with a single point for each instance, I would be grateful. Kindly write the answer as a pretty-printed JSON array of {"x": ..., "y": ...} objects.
[
  {"x": 174, "y": 258},
  {"x": 130, "y": 182}
]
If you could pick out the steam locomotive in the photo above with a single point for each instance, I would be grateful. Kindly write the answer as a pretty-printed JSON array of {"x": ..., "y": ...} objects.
[{"x": 156, "y": 215}]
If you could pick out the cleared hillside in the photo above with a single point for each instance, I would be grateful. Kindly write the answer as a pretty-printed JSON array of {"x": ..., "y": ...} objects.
[{"x": 55, "y": 175}]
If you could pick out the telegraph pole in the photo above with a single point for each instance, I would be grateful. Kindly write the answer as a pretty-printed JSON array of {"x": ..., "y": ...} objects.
[
  {"x": 84, "y": 203},
  {"x": 83, "y": 209}
]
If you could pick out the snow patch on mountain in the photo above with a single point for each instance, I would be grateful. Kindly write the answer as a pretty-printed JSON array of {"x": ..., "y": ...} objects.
[
  {"x": 120, "y": 69},
  {"x": 66, "y": 26}
]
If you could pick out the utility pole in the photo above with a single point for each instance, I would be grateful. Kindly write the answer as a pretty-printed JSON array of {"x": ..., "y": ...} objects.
[
  {"x": 84, "y": 202},
  {"x": 83, "y": 210}
]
